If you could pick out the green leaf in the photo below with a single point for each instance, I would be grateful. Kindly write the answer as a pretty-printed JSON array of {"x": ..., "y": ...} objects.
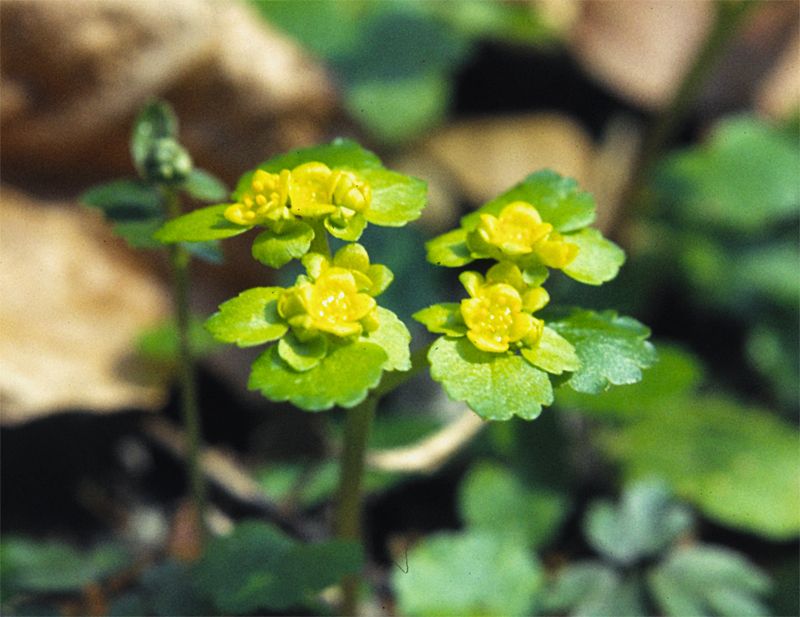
[
  {"x": 302, "y": 356},
  {"x": 397, "y": 110},
  {"x": 171, "y": 588},
  {"x": 251, "y": 318},
  {"x": 49, "y": 566},
  {"x": 210, "y": 251},
  {"x": 449, "y": 249},
  {"x": 444, "y": 318},
  {"x": 676, "y": 375},
  {"x": 704, "y": 580},
  {"x": 553, "y": 354},
  {"x": 495, "y": 386},
  {"x": 200, "y": 226},
  {"x": 492, "y": 498},
  {"x": 592, "y": 589},
  {"x": 396, "y": 199},
  {"x": 275, "y": 248},
  {"x": 343, "y": 378},
  {"x": 125, "y": 200},
  {"x": 598, "y": 259},
  {"x": 744, "y": 178},
  {"x": 155, "y": 121},
  {"x": 612, "y": 349},
  {"x": 203, "y": 186},
  {"x": 139, "y": 234},
  {"x": 349, "y": 230},
  {"x": 737, "y": 465},
  {"x": 474, "y": 573},
  {"x": 645, "y": 523},
  {"x": 394, "y": 338},
  {"x": 559, "y": 201},
  {"x": 339, "y": 153},
  {"x": 271, "y": 570}
]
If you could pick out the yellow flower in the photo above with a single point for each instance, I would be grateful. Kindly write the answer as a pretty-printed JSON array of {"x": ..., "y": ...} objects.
[
  {"x": 519, "y": 232},
  {"x": 496, "y": 316},
  {"x": 333, "y": 303},
  {"x": 265, "y": 201},
  {"x": 317, "y": 190}
]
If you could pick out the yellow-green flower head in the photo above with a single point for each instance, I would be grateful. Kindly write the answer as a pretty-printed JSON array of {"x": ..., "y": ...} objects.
[
  {"x": 318, "y": 190},
  {"x": 266, "y": 200},
  {"x": 519, "y": 232},
  {"x": 498, "y": 312}
]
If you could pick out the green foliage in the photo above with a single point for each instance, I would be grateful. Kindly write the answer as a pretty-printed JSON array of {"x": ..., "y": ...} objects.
[
  {"x": 204, "y": 187},
  {"x": 553, "y": 354},
  {"x": 644, "y": 569},
  {"x": 271, "y": 570},
  {"x": 612, "y": 349},
  {"x": 160, "y": 343},
  {"x": 644, "y": 524},
  {"x": 156, "y": 121},
  {"x": 495, "y": 386},
  {"x": 200, "y": 225},
  {"x": 277, "y": 247},
  {"x": 477, "y": 572},
  {"x": 342, "y": 378},
  {"x": 37, "y": 566},
  {"x": 704, "y": 580},
  {"x": 492, "y": 498},
  {"x": 394, "y": 338},
  {"x": 598, "y": 259}
]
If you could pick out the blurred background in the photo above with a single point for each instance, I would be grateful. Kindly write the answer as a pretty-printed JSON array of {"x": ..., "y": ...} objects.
[{"x": 680, "y": 117}]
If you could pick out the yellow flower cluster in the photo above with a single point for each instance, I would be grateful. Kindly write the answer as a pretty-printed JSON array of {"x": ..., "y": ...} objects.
[
  {"x": 498, "y": 312},
  {"x": 519, "y": 232},
  {"x": 310, "y": 190}
]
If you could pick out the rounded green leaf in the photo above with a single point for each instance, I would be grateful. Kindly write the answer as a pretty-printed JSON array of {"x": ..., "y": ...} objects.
[
  {"x": 479, "y": 572},
  {"x": 302, "y": 355},
  {"x": 349, "y": 230},
  {"x": 444, "y": 318},
  {"x": 393, "y": 336},
  {"x": 612, "y": 349},
  {"x": 251, "y": 318},
  {"x": 200, "y": 226},
  {"x": 339, "y": 153},
  {"x": 559, "y": 201},
  {"x": 205, "y": 187},
  {"x": 450, "y": 249},
  {"x": 342, "y": 378},
  {"x": 396, "y": 199},
  {"x": 276, "y": 248},
  {"x": 495, "y": 386},
  {"x": 125, "y": 200},
  {"x": 598, "y": 259},
  {"x": 553, "y": 354}
]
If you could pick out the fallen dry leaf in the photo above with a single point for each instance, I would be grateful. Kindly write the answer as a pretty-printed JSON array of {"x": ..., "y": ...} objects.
[
  {"x": 74, "y": 74},
  {"x": 487, "y": 156},
  {"x": 641, "y": 49},
  {"x": 73, "y": 301}
]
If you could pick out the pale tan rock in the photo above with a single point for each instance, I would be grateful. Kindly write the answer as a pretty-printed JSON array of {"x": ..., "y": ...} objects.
[
  {"x": 75, "y": 73},
  {"x": 641, "y": 49},
  {"x": 779, "y": 95},
  {"x": 73, "y": 301},
  {"x": 488, "y": 156}
]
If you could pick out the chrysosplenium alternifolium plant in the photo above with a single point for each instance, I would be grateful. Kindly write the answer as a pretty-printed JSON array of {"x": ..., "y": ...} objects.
[{"x": 331, "y": 341}]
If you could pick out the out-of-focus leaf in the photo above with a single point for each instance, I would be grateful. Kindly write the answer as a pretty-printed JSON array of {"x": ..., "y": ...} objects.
[
  {"x": 474, "y": 573},
  {"x": 51, "y": 566},
  {"x": 125, "y": 200},
  {"x": 271, "y": 570},
  {"x": 612, "y": 349},
  {"x": 738, "y": 465},
  {"x": 205, "y": 187},
  {"x": 160, "y": 343},
  {"x": 139, "y": 234},
  {"x": 704, "y": 580},
  {"x": 172, "y": 588},
  {"x": 492, "y": 498},
  {"x": 771, "y": 349},
  {"x": 592, "y": 589},
  {"x": 644, "y": 523},
  {"x": 155, "y": 121},
  {"x": 743, "y": 179}
]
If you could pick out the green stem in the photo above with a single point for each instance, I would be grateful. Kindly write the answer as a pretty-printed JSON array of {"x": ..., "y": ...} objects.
[
  {"x": 320, "y": 242},
  {"x": 179, "y": 258},
  {"x": 358, "y": 421},
  {"x": 729, "y": 16}
]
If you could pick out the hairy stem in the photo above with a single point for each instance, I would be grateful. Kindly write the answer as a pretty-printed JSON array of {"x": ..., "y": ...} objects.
[
  {"x": 179, "y": 259},
  {"x": 358, "y": 421},
  {"x": 729, "y": 16}
]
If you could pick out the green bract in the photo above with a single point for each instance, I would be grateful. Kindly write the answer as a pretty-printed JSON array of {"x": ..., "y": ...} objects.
[
  {"x": 560, "y": 205},
  {"x": 340, "y": 187},
  {"x": 334, "y": 342}
]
